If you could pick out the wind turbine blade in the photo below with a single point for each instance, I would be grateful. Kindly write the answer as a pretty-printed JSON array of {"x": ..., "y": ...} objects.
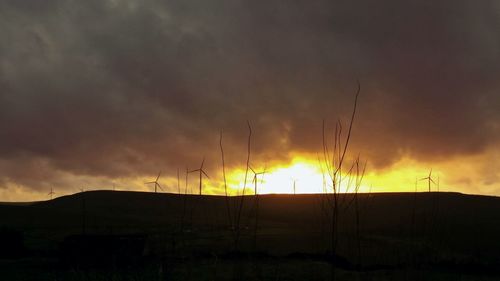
[
  {"x": 192, "y": 171},
  {"x": 253, "y": 171},
  {"x": 205, "y": 173},
  {"x": 158, "y": 177},
  {"x": 430, "y": 173},
  {"x": 422, "y": 179},
  {"x": 432, "y": 180},
  {"x": 202, "y": 162},
  {"x": 149, "y": 182},
  {"x": 159, "y": 186}
]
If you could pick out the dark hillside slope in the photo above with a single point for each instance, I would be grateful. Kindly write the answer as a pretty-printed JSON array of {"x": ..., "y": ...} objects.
[{"x": 392, "y": 226}]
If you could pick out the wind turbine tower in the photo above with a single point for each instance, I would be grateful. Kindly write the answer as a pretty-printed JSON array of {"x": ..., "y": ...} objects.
[
  {"x": 201, "y": 174},
  {"x": 429, "y": 180}
]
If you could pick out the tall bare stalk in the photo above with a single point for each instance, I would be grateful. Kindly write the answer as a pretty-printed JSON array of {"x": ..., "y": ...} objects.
[
  {"x": 178, "y": 182},
  {"x": 256, "y": 203},
  {"x": 228, "y": 208},
  {"x": 240, "y": 207},
  {"x": 84, "y": 213},
  {"x": 334, "y": 167},
  {"x": 414, "y": 224},
  {"x": 359, "y": 179},
  {"x": 256, "y": 227},
  {"x": 184, "y": 203}
]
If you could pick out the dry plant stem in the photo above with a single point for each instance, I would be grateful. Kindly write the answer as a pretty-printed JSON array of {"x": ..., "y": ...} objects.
[
  {"x": 358, "y": 236},
  {"x": 349, "y": 184},
  {"x": 337, "y": 138},
  {"x": 346, "y": 145},
  {"x": 256, "y": 227},
  {"x": 326, "y": 152},
  {"x": 228, "y": 208},
  {"x": 256, "y": 204},
  {"x": 256, "y": 215},
  {"x": 178, "y": 182},
  {"x": 359, "y": 178},
  {"x": 84, "y": 214},
  {"x": 332, "y": 177},
  {"x": 336, "y": 174},
  {"x": 201, "y": 185},
  {"x": 184, "y": 202},
  {"x": 437, "y": 229},
  {"x": 324, "y": 199},
  {"x": 240, "y": 207},
  {"x": 326, "y": 156},
  {"x": 350, "y": 125},
  {"x": 337, "y": 178},
  {"x": 413, "y": 223}
]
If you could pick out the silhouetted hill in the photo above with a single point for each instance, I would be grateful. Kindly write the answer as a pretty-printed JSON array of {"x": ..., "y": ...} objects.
[
  {"x": 382, "y": 209},
  {"x": 394, "y": 228}
]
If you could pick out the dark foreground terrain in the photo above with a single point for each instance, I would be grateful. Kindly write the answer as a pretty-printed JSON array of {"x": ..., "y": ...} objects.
[{"x": 108, "y": 235}]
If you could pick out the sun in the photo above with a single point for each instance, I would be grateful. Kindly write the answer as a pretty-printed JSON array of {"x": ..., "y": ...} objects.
[{"x": 298, "y": 176}]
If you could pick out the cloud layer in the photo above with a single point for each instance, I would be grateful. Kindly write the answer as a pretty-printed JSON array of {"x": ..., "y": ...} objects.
[{"x": 118, "y": 88}]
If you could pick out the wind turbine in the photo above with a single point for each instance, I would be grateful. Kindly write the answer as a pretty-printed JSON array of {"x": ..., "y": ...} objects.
[
  {"x": 156, "y": 182},
  {"x": 429, "y": 180},
  {"x": 255, "y": 175},
  {"x": 51, "y": 193},
  {"x": 256, "y": 202},
  {"x": 202, "y": 172}
]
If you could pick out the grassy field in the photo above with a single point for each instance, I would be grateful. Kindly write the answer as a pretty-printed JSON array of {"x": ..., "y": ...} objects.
[{"x": 400, "y": 236}]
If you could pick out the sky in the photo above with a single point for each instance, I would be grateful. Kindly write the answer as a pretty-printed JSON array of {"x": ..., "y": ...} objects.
[{"x": 103, "y": 93}]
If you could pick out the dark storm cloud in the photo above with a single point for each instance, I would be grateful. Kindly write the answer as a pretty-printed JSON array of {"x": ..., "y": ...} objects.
[{"x": 120, "y": 88}]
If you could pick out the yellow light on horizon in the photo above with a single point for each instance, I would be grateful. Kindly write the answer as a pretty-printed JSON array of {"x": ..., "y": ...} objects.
[
  {"x": 309, "y": 177},
  {"x": 306, "y": 177},
  {"x": 305, "y": 174}
]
